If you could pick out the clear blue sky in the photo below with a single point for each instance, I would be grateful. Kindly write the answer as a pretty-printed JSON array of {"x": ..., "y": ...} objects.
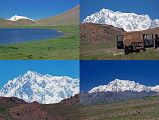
[
  {"x": 95, "y": 73},
  {"x": 150, "y": 7},
  {"x": 14, "y": 68},
  {"x": 35, "y": 9}
]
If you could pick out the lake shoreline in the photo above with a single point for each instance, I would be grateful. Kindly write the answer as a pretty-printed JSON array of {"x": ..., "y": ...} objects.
[{"x": 9, "y": 36}]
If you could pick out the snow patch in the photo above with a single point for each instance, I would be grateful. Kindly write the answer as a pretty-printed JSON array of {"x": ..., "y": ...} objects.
[{"x": 16, "y": 17}]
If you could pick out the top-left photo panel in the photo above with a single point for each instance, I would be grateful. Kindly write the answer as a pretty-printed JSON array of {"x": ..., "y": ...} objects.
[{"x": 39, "y": 30}]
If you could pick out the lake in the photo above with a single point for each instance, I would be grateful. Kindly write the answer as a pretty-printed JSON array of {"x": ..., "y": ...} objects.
[{"x": 12, "y": 36}]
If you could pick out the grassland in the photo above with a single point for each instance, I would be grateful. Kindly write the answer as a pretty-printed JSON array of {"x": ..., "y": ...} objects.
[
  {"x": 112, "y": 54},
  {"x": 108, "y": 51},
  {"x": 138, "y": 109},
  {"x": 61, "y": 48}
]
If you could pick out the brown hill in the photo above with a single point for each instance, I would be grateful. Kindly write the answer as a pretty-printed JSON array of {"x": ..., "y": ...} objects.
[
  {"x": 70, "y": 17},
  {"x": 97, "y": 40},
  {"x": 13, "y": 108},
  {"x": 10, "y": 101},
  {"x": 16, "y": 23},
  {"x": 97, "y": 33},
  {"x": 24, "y": 22}
]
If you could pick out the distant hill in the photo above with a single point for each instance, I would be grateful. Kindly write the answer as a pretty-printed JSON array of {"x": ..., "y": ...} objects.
[
  {"x": 152, "y": 31},
  {"x": 70, "y": 17},
  {"x": 72, "y": 100},
  {"x": 112, "y": 97},
  {"x": 4, "y": 22},
  {"x": 1, "y": 19}
]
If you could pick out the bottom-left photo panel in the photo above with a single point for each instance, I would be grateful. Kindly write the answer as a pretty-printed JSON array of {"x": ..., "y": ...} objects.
[{"x": 39, "y": 90}]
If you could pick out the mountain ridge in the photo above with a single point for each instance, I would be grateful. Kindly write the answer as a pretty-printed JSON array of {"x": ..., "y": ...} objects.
[
  {"x": 124, "y": 85},
  {"x": 127, "y": 21},
  {"x": 44, "y": 89}
]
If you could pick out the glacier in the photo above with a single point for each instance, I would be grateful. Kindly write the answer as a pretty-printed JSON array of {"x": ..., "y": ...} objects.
[
  {"x": 127, "y": 21},
  {"x": 118, "y": 85},
  {"x": 44, "y": 89}
]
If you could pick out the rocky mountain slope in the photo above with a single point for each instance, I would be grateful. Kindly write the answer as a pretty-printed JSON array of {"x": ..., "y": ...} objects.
[
  {"x": 97, "y": 33},
  {"x": 72, "y": 100},
  {"x": 13, "y": 108},
  {"x": 44, "y": 89},
  {"x": 127, "y": 21}
]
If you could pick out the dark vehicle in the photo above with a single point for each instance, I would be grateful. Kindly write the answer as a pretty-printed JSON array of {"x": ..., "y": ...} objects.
[{"x": 136, "y": 41}]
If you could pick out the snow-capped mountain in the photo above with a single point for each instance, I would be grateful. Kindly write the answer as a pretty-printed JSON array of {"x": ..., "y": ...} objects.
[
  {"x": 127, "y": 21},
  {"x": 16, "y": 17},
  {"x": 124, "y": 85},
  {"x": 45, "y": 89}
]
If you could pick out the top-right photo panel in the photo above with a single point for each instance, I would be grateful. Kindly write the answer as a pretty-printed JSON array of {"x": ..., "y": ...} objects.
[{"x": 119, "y": 30}]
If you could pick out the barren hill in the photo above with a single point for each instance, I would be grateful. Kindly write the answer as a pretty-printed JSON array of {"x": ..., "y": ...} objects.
[
  {"x": 13, "y": 108},
  {"x": 70, "y": 17},
  {"x": 97, "y": 33},
  {"x": 4, "y": 22}
]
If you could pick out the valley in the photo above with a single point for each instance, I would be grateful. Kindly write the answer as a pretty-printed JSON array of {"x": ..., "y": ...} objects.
[{"x": 65, "y": 47}]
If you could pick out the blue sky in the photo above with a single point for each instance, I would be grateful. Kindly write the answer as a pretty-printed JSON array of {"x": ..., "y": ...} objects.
[
  {"x": 150, "y": 7},
  {"x": 11, "y": 69},
  {"x": 35, "y": 9},
  {"x": 95, "y": 73}
]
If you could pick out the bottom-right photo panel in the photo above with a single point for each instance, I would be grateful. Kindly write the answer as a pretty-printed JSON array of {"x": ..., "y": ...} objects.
[{"x": 119, "y": 90}]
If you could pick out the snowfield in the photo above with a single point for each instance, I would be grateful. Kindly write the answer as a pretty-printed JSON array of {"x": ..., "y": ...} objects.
[
  {"x": 127, "y": 21},
  {"x": 45, "y": 89},
  {"x": 124, "y": 85}
]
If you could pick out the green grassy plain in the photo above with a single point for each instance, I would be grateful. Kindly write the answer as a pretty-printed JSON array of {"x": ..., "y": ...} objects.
[
  {"x": 114, "y": 54},
  {"x": 61, "y": 48}
]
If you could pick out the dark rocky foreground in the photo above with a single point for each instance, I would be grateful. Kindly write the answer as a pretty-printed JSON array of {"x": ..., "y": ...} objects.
[{"x": 16, "y": 109}]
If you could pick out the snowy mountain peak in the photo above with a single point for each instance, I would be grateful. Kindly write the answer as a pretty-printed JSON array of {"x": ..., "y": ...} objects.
[
  {"x": 127, "y": 21},
  {"x": 123, "y": 85},
  {"x": 30, "y": 73},
  {"x": 16, "y": 17},
  {"x": 44, "y": 89}
]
